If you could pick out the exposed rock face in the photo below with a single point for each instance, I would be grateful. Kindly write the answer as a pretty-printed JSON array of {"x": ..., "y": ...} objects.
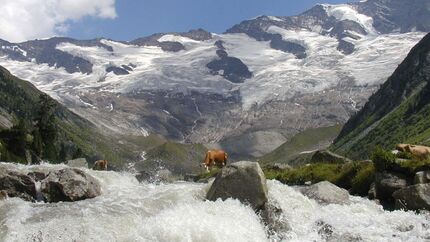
[
  {"x": 69, "y": 185},
  {"x": 17, "y": 184},
  {"x": 231, "y": 68},
  {"x": 387, "y": 183},
  {"x": 415, "y": 197},
  {"x": 326, "y": 193},
  {"x": 242, "y": 180},
  {"x": 78, "y": 163},
  {"x": 422, "y": 177},
  {"x": 328, "y": 157}
]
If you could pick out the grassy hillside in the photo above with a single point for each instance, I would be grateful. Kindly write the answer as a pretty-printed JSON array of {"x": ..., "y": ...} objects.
[
  {"x": 178, "y": 158},
  {"x": 398, "y": 113},
  {"x": 297, "y": 150}
]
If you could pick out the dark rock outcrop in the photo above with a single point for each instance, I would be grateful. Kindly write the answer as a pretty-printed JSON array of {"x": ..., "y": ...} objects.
[
  {"x": 242, "y": 180},
  {"x": 17, "y": 184},
  {"x": 326, "y": 156},
  {"x": 69, "y": 185},
  {"x": 117, "y": 70},
  {"x": 387, "y": 183},
  {"x": 415, "y": 197},
  {"x": 326, "y": 193},
  {"x": 231, "y": 68}
]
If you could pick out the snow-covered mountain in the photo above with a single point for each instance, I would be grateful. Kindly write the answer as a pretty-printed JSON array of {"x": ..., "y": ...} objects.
[{"x": 252, "y": 87}]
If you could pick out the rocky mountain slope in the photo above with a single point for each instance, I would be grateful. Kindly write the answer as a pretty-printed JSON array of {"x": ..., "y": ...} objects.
[
  {"x": 248, "y": 90},
  {"x": 34, "y": 126},
  {"x": 399, "y": 112}
]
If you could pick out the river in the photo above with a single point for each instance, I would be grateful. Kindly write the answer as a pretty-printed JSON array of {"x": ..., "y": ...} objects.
[{"x": 131, "y": 211}]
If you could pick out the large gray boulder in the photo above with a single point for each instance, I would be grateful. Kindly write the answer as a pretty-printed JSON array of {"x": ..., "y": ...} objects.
[
  {"x": 242, "y": 180},
  {"x": 326, "y": 193},
  {"x": 78, "y": 163},
  {"x": 415, "y": 197},
  {"x": 386, "y": 183},
  {"x": 69, "y": 184},
  {"x": 17, "y": 184},
  {"x": 326, "y": 156}
]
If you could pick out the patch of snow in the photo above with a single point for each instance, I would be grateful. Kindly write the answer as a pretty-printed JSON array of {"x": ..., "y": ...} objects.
[
  {"x": 144, "y": 132},
  {"x": 273, "y": 18},
  {"x": 176, "y": 38},
  {"x": 347, "y": 12}
]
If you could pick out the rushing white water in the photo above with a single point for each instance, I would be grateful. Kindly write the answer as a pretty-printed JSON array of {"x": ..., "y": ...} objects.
[{"x": 132, "y": 211}]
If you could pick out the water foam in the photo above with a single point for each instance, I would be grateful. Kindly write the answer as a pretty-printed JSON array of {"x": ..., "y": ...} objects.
[{"x": 131, "y": 211}]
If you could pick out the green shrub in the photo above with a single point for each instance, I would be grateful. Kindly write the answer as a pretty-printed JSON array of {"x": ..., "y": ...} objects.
[
  {"x": 210, "y": 174},
  {"x": 360, "y": 184},
  {"x": 383, "y": 160},
  {"x": 405, "y": 155}
]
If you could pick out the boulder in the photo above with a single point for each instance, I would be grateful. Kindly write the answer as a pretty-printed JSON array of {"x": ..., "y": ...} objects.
[
  {"x": 326, "y": 156},
  {"x": 78, "y": 163},
  {"x": 326, "y": 193},
  {"x": 242, "y": 180},
  {"x": 386, "y": 183},
  {"x": 17, "y": 184},
  {"x": 422, "y": 177},
  {"x": 415, "y": 197},
  {"x": 69, "y": 184}
]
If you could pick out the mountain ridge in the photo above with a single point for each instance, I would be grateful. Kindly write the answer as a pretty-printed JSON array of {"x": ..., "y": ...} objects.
[{"x": 277, "y": 78}]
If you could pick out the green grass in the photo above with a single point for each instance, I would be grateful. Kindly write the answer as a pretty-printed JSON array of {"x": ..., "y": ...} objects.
[
  {"x": 386, "y": 161},
  {"x": 310, "y": 139},
  {"x": 353, "y": 175}
]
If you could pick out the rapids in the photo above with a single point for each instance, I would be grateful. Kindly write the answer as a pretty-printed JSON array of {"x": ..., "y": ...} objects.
[{"x": 131, "y": 211}]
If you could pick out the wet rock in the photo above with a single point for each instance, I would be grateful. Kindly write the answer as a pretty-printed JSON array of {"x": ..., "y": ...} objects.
[
  {"x": 326, "y": 156},
  {"x": 387, "y": 183},
  {"x": 17, "y": 184},
  {"x": 163, "y": 175},
  {"x": 242, "y": 180},
  {"x": 3, "y": 195},
  {"x": 78, "y": 163},
  {"x": 325, "y": 230},
  {"x": 69, "y": 184},
  {"x": 38, "y": 175},
  {"x": 415, "y": 197},
  {"x": 276, "y": 221},
  {"x": 191, "y": 177},
  {"x": 371, "y": 194},
  {"x": 422, "y": 177},
  {"x": 326, "y": 193}
]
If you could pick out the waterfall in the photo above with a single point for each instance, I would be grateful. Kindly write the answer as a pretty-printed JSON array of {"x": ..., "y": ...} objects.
[{"x": 39, "y": 196}]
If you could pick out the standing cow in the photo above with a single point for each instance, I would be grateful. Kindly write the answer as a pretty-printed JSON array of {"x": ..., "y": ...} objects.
[
  {"x": 215, "y": 157},
  {"x": 100, "y": 165},
  {"x": 418, "y": 151}
]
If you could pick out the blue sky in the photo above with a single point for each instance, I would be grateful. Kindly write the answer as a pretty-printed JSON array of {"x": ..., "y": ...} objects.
[{"x": 137, "y": 18}]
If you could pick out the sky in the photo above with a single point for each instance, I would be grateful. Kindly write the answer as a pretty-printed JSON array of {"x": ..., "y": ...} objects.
[{"x": 129, "y": 19}]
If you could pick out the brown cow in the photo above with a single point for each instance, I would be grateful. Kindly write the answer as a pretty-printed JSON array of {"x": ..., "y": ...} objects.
[
  {"x": 215, "y": 157},
  {"x": 418, "y": 151},
  {"x": 100, "y": 165},
  {"x": 401, "y": 147}
]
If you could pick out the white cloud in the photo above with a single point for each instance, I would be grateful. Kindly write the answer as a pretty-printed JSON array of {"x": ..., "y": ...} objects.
[{"x": 22, "y": 20}]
